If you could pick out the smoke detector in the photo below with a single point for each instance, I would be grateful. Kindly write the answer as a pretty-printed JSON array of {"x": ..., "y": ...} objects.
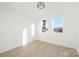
[{"x": 40, "y": 5}]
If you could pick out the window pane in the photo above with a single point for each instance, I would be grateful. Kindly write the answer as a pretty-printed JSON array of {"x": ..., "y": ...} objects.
[
  {"x": 58, "y": 24},
  {"x": 44, "y": 26},
  {"x": 44, "y": 23}
]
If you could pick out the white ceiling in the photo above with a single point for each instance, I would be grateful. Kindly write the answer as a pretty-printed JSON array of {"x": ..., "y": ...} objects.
[
  {"x": 30, "y": 8},
  {"x": 21, "y": 7}
]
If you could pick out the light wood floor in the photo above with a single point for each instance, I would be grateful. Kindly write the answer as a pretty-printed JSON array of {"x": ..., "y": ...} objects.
[{"x": 41, "y": 49}]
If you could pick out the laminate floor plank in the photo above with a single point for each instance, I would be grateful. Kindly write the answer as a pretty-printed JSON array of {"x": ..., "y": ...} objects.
[{"x": 39, "y": 48}]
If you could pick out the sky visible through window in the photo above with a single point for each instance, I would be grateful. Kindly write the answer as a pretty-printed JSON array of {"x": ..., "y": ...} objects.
[{"x": 57, "y": 21}]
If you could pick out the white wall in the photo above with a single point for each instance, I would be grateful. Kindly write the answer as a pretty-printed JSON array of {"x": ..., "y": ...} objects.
[
  {"x": 70, "y": 12},
  {"x": 15, "y": 17},
  {"x": 12, "y": 23}
]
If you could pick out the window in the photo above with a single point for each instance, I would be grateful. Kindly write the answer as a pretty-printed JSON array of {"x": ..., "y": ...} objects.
[
  {"x": 57, "y": 24},
  {"x": 44, "y": 25}
]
